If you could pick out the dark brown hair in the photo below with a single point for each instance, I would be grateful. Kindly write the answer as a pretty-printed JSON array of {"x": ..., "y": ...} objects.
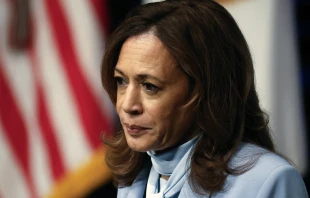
[{"x": 207, "y": 44}]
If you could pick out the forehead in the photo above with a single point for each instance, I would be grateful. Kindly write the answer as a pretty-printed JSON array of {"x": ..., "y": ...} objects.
[
  {"x": 144, "y": 45},
  {"x": 146, "y": 52}
]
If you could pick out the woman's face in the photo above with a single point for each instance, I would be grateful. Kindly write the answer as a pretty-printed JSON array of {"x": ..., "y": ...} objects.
[{"x": 151, "y": 90}]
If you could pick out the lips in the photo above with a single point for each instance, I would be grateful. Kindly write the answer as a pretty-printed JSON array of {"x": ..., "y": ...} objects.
[{"x": 134, "y": 129}]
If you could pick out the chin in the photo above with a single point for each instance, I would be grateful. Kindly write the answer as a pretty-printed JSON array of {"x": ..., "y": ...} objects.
[
  {"x": 139, "y": 144},
  {"x": 138, "y": 148},
  {"x": 136, "y": 145}
]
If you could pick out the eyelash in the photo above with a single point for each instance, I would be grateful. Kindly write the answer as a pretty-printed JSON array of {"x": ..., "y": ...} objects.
[
  {"x": 119, "y": 81},
  {"x": 148, "y": 87}
]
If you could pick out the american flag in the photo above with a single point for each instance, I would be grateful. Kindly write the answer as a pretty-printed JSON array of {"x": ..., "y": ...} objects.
[{"x": 52, "y": 106}]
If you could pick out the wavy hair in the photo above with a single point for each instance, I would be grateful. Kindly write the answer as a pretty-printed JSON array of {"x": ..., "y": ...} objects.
[{"x": 209, "y": 47}]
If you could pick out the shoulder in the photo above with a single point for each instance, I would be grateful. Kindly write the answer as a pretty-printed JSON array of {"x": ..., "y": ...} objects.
[{"x": 269, "y": 176}]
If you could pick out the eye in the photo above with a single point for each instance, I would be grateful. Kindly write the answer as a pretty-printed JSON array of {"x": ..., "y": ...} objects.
[
  {"x": 150, "y": 88},
  {"x": 120, "y": 82}
]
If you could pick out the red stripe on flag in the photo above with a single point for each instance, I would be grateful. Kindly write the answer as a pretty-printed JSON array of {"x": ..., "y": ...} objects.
[
  {"x": 102, "y": 12},
  {"x": 90, "y": 113},
  {"x": 48, "y": 134},
  {"x": 15, "y": 129},
  {"x": 47, "y": 129}
]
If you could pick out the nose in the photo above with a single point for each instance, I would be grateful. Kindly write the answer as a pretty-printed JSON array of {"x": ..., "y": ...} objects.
[{"x": 131, "y": 103}]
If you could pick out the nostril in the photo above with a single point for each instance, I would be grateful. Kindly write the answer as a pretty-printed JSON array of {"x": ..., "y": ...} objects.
[{"x": 134, "y": 112}]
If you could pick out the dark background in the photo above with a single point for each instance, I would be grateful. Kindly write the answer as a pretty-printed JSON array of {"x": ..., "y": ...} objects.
[
  {"x": 118, "y": 9},
  {"x": 302, "y": 9}
]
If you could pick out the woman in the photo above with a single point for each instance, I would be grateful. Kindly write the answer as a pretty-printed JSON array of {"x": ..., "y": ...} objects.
[{"x": 181, "y": 78}]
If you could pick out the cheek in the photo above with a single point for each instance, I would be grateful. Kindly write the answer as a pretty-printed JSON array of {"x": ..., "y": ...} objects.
[
  {"x": 117, "y": 107},
  {"x": 163, "y": 116},
  {"x": 118, "y": 104},
  {"x": 157, "y": 110}
]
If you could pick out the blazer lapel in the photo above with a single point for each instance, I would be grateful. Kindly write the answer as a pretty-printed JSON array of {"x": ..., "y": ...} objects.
[{"x": 137, "y": 189}]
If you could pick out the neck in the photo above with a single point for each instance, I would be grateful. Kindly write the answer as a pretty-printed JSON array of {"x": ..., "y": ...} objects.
[
  {"x": 166, "y": 177},
  {"x": 183, "y": 140},
  {"x": 165, "y": 162}
]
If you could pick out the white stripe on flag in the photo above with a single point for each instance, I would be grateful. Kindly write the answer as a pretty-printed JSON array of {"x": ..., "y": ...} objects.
[
  {"x": 88, "y": 37},
  {"x": 12, "y": 182},
  {"x": 72, "y": 141},
  {"x": 24, "y": 70},
  {"x": 18, "y": 71},
  {"x": 17, "y": 68}
]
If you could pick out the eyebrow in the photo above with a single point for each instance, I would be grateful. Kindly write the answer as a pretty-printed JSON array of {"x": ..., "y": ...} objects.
[
  {"x": 119, "y": 71},
  {"x": 140, "y": 76}
]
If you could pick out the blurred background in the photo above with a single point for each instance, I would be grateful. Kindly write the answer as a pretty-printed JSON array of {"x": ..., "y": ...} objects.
[{"x": 53, "y": 110}]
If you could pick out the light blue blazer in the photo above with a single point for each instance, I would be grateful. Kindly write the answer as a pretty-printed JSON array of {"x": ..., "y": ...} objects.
[{"x": 270, "y": 176}]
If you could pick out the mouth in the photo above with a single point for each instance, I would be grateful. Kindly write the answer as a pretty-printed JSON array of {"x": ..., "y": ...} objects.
[{"x": 134, "y": 129}]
